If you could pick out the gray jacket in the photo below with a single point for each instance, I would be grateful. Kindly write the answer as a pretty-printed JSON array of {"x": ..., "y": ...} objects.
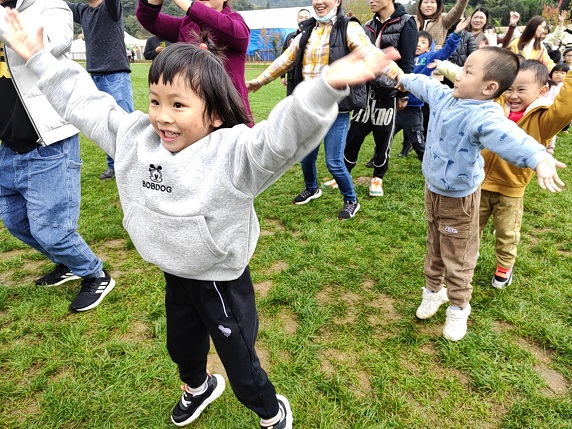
[
  {"x": 57, "y": 20},
  {"x": 191, "y": 213}
]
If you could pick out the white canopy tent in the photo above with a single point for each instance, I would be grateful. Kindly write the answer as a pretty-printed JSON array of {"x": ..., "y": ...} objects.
[{"x": 78, "y": 46}]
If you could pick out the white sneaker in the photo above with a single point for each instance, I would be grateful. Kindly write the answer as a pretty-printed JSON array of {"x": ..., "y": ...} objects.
[
  {"x": 456, "y": 324},
  {"x": 376, "y": 187},
  {"x": 430, "y": 303},
  {"x": 330, "y": 184}
]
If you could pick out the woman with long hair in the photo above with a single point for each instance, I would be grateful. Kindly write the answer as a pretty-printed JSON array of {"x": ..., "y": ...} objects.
[
  {"x": 479, "y": 27},
  {"x": 431, "y": 17},
  {"x": 226, "y": 28},
  {"x": 530, "y": 45}
]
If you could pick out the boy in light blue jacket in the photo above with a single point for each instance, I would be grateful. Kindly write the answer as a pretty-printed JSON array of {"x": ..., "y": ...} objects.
[{"x": 463, "y": 121}]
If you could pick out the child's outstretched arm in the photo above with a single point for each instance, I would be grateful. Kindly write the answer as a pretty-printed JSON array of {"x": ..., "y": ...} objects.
[
  {"x": 68, "y": 86},
  {"x": 547, "y": 175},
  {"x": 358, "y": 67}
]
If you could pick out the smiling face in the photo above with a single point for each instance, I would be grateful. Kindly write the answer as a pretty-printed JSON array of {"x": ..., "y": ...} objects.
[
  {"x": 478, "y": 21},
  {"x": 428, "y": 8},
  {"x": 524, "y": 90},
  {"x": 177, "y": 114},
  {"x": 323, "y": 7},
  {"x": 470, "y": 83}
]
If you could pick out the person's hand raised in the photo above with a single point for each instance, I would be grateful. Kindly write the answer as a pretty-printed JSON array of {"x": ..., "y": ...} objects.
[
  {"x": 359, "y": 67},
  {"x": 19, "y": 37}
]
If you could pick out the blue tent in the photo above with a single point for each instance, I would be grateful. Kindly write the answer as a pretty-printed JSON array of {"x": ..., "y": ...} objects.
[
  {"x": 266, "y": 44},
  {"x": 268, "y": 30}
]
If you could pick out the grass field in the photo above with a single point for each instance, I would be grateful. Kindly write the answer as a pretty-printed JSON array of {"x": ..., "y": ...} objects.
[{"x": 338, "y": 333}]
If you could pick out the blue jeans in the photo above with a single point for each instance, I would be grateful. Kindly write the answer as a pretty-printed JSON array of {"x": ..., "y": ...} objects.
[
  {"x": 40, "y": 200},
  {"x": 118, "y": 85},
  {"x": 334, "y": 144}
]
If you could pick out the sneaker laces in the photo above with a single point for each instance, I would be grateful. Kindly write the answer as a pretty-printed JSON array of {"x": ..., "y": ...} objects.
[{"x": 89, "y": 285}]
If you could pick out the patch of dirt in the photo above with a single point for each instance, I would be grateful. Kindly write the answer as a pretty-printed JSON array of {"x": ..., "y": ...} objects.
[
  {"x": 557, "y": 383},
  {"x": 277, "y": 267},
  {"x": 261, "y": 289},
  {"x": 27, "y": 271},
  {"x": 288, "y": 321},
  {"x": 501, "y": 326},
  {"x": 273, "y": 225},
  {"x": 138, "y": 331},
  {"x": 363, "y": 181},
  {"x": 335, "y": 361}
]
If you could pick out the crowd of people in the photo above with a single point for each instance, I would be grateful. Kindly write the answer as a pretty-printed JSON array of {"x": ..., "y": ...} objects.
[{"x": 480, "y": 109}]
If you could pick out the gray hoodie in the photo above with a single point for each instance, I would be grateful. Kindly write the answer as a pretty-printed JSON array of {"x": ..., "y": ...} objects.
[{"x": 192, "y": 213}]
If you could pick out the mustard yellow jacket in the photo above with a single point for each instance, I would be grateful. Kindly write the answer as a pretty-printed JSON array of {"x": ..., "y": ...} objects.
[{"x": 542, "y": 120}]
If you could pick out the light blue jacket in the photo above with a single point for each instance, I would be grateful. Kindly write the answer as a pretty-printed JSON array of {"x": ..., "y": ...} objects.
[{"x": 457, "y": 132}]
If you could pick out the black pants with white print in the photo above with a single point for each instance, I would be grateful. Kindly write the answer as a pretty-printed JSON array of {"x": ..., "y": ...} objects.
[
  {"x": 378, "y": 117},
  {"x": 226, "y": 312}
]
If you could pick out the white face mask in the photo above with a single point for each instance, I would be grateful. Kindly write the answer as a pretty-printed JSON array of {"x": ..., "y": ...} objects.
[{"x": 328, "y": 17}]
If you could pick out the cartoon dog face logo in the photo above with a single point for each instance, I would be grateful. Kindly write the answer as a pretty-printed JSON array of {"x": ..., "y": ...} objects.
[{"x": 155, "y": 173}]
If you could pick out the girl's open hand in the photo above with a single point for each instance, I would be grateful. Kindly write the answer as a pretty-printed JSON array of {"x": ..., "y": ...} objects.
[
  {"x": 18, "y": 37},
  {"x": 359, "y": 67}
]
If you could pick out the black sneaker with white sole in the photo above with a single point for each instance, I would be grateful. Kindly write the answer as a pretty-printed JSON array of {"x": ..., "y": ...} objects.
[
  {"x": 57, "y": 276},
  {"x": 350, "y": 209},
  {"x": 286, "y": 419},
  {"x": 307, "y": 196},
  {"x": 190, "y": 406},
  {"x": 93, "y": 290}
]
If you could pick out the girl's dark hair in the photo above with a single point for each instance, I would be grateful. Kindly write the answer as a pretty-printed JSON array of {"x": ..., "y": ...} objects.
[
  {"x": 436, "y": 16},
  {"x": 426, "y": 35},
  {"x": 204, "y": 74},
  {"x": 479, "y": 9},
  {"x": 502, "y": 67},
  {"x": 529, "y": 33},
  {"x": 560, "y": 67},
  {"x": 566, "y": 51}
]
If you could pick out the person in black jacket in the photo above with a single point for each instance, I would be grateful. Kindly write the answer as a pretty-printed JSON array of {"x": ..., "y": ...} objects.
[
  {"x": 390, "y": 26},
  {"x": 288, "y": 78},
  {"x": 153, "y": 46}
]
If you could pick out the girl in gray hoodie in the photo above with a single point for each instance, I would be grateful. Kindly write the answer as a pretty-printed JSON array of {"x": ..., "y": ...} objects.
[{"x": 187, "y": 174}]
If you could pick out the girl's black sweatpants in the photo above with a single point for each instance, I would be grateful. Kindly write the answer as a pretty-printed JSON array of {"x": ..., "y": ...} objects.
[{"x": 226, "y": 312}]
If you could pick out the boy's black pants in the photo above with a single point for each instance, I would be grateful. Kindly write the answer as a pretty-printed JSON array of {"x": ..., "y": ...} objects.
[{"x": 226, "y": 312}]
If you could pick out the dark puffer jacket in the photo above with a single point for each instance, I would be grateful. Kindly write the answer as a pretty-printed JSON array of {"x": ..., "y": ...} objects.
[
  {"x": 399, "y": 31},
  {"x": 466, "y": 47}
]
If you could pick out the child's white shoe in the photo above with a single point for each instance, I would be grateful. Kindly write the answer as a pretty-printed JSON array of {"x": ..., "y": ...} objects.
[
  {"x": 430, "y": 303},
  {"x": 456, "y": 324}
]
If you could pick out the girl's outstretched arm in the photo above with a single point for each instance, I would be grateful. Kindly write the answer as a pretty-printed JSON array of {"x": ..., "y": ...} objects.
[{"x": 359, "y": 67}]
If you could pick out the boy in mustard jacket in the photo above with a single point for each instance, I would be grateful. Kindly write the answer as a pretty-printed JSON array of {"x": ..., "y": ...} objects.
[{"x": 502, "y": 191}]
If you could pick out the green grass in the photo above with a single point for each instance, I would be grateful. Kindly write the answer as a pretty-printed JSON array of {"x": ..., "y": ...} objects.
[{"x": 338, "y": 333}]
